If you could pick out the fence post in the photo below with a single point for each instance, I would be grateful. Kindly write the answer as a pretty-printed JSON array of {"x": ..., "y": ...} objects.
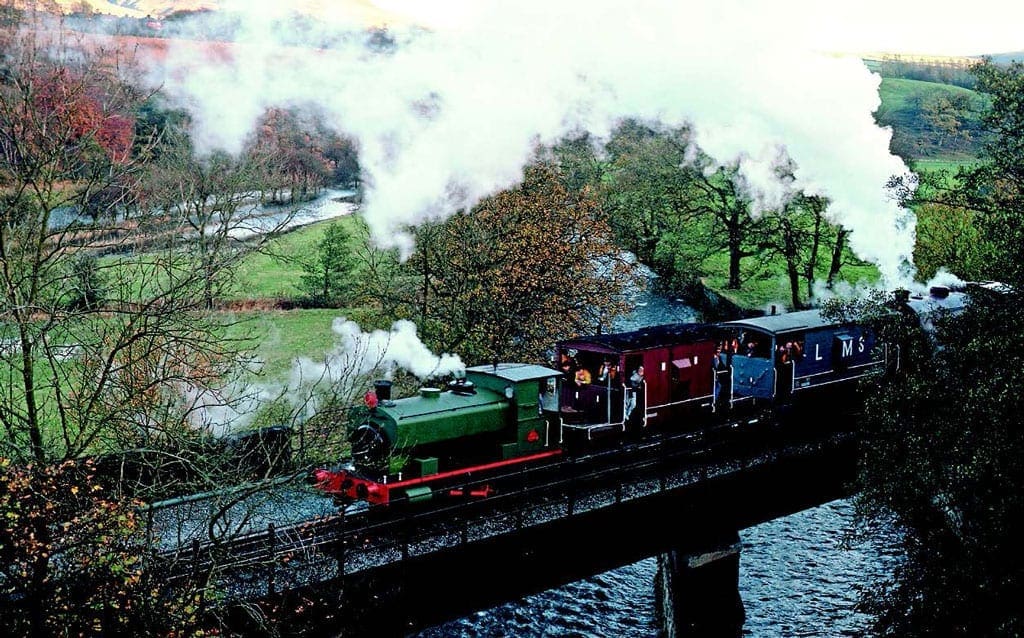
[
  {"x": 195, "y": 559},
  {"x": 149, "y": 528},
  {"x": 271, "y": 542},
  {"x": 572, "y": 496},
  {"x": 344, "y": 542},
  {"x": 195, "y": 577}
]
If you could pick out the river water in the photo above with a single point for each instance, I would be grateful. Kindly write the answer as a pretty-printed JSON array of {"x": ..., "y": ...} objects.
[{"x": 799, "y": 576}]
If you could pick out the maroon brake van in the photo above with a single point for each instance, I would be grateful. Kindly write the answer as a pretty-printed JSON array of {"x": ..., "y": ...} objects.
[{"x": 601, "y": 389}]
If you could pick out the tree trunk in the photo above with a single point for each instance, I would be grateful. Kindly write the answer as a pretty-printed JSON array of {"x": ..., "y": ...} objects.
[
  {"x": 794, "y": 282},
  {"x": 791, "y": 250},
  {"x": 735, "y": 250},
  {"x": 209, "y": 273},
  {"x": 28, "y": 382},
  {"x": 812, "y": 261},
  {"x": 837, "y": 255}
]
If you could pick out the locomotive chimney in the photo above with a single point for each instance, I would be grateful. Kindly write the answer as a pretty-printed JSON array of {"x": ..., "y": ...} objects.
[
  {"x": 382, "y": 388},
  {"x": 902, "y": 295}
]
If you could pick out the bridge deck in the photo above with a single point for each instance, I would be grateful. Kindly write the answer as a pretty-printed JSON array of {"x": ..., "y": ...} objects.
[{"x": 336, "y": 547}]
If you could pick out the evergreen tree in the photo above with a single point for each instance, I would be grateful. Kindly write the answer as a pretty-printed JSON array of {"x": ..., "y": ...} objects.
[{"x": 328, "y": 278}]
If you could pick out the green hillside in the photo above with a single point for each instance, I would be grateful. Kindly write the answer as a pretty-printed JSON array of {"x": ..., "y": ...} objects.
[{"x": 930, "y": 121}]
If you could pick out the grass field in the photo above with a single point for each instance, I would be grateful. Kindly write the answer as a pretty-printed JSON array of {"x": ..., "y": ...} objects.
[
  {"x": 278, "y": 273},
  {"x": 935, "y": 164},
  {"x": 904, "y": 95},
  {"x": 278, "y": 337}
]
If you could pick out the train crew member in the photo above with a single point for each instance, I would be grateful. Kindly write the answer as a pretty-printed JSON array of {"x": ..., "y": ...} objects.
[
  {"x": 566, "y": 364},
  {"x": 582, "y": 376},
  {"x": 721, "y": 367},
  {"x": 636, "y": 383},
  {"x": 636, "y": 380},
  {"x": 781, "y": 354},
  {"x": 796, "y": 350}
]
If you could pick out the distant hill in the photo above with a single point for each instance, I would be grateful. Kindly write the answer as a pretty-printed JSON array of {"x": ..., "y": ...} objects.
[
  {"x": 931, "y": 120},
  {"x": 140, "y": 8},
  {"x": 361, "y": 11},
  {"x": 1006, "y": 58}
]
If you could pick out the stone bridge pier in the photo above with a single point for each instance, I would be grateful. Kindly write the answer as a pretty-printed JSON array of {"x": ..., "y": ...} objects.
[{"x": 697, "y": 589}]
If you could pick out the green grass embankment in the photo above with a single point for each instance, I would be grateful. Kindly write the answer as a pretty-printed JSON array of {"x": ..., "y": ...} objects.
[
  {"x": 277, "y": 272},
  {"x": 771, "y": 286}
]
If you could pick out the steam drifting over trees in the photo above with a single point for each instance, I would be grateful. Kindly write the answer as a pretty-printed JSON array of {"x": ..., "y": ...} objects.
[
  {"x": 423, "y": 110},
  {"x": 528, "y": 265}
]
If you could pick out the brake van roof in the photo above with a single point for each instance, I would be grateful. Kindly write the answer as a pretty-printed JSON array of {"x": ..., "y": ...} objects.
[
  {"x": 643, "y": 339},
  {"x": 786, "y": 322}
]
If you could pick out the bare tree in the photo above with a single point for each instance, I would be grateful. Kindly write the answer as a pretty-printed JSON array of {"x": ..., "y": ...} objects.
[
  {"x": 795, "y": 234},
  {"x": 102, "y": 346}
]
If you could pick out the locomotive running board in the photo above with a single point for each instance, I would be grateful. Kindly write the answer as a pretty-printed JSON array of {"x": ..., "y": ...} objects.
[{"x": 595, "y": 427}]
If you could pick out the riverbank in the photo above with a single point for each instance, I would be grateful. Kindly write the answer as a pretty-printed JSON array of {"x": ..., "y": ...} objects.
[{"x": 713, "y": 306}]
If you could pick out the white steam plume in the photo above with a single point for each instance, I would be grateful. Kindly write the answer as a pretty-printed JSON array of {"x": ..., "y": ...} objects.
[
  {"x": 355, "y": 355},
  {"x": 452, "y": 114},
  {"x": 358, "y": 353}
]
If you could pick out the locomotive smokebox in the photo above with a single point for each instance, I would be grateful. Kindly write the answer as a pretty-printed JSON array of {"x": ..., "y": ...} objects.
[{"x": 382, "y": 388}]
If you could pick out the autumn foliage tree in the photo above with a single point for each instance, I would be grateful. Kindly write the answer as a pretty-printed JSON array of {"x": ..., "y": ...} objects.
[
  {"x": 62, "y": 139},
  {"x": 524, "y": 267},
  {"x": 68, "y": 554},
  {"x": 296, "y": 158}
]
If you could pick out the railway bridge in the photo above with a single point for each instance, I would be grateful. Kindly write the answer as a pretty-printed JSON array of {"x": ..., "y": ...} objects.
[{"x": 683, "y": 498}]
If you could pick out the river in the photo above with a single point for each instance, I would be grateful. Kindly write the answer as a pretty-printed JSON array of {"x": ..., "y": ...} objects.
[{"x": 801, "y": 575}]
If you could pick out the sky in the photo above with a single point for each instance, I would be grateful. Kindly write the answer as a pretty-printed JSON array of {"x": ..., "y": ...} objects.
[
  {"x": 938, "y": 27},
  {"x": 933, "y": 27}
]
